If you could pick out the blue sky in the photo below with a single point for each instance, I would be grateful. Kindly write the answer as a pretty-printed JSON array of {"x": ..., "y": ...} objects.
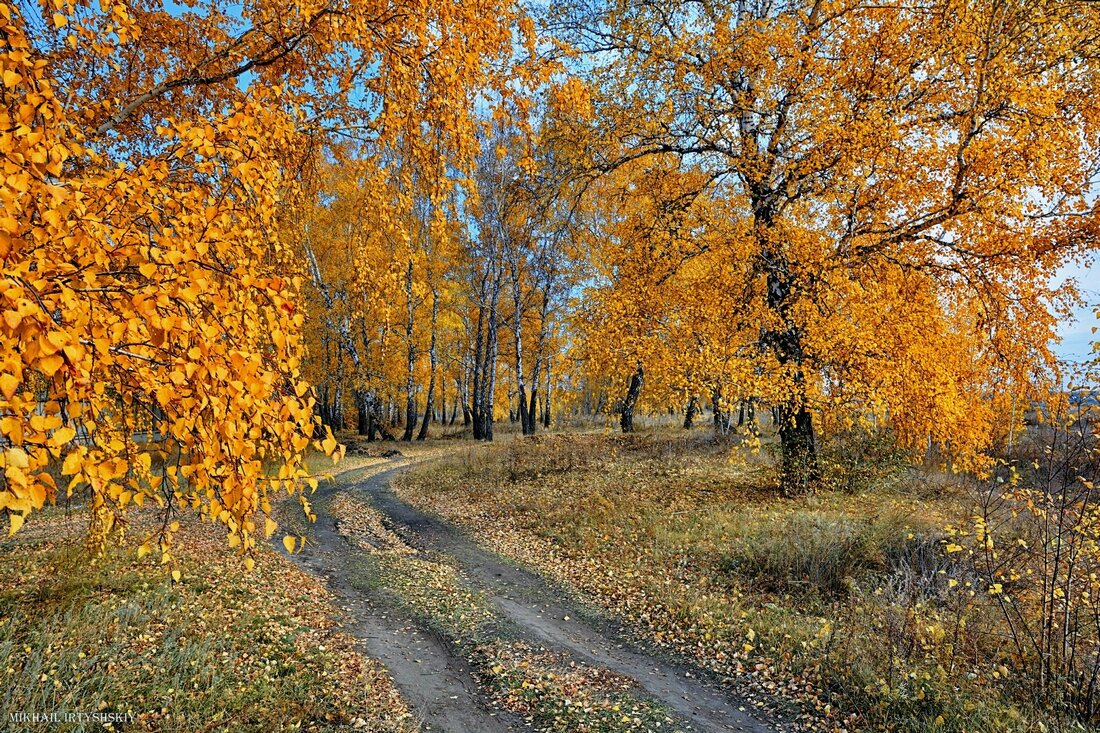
[{"x": 1077, "y": 336}]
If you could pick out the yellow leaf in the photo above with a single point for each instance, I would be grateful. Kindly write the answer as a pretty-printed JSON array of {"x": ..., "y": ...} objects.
[
  {"x": 71, "y": 466},
  {"x": 59, "y": 20},
  {"x": 288, "y": 543},
  {"x": 143, "y": 550},
  {"x": 8, "y": 384},
  {"x": 16, "y": 457},
  {"x": 49, "y": 365},
  {"x": 16, "y": 522},
  {"x": 63, "y": 435},
  {"x": 269, "y": 528},
  {"x": 249, "y": 563},
  {"x": 176, "y": 575}
]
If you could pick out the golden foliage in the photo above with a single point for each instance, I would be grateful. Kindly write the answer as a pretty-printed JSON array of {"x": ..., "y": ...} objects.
[{"x": 151, "y": 343}]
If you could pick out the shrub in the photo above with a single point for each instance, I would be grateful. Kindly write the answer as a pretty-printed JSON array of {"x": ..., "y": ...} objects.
[
  {"x": 815, "y": 550},
  {"x": 1034, "y": 546},
  {"x": 858, "y": 459}
]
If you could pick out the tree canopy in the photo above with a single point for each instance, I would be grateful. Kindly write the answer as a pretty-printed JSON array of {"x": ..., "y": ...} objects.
[{"x": 229, "y": 231}]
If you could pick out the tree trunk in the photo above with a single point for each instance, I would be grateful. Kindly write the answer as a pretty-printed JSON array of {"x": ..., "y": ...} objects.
[
  {"x": 489, "y": 383},
  {"x": 362, "y": 409},
  {"x": 338, "y": 409},
  {"x": 464, "y": 399},
  {"x": 443, "y": 397},
  {"x": 532, "y": 403},
  {"x": 458, "y": 399},
  {"x": 410, "y": 364},
  {"x": 798, "y": 447},
  {"x": 689, "y": 413},
  {"x": 486, "y": 371},
  {"x": 750, "y": 415},
  {"x": 626, "y": 420},
  {"x": 523, "y": 411},
  {"x": 479, "y": 359},
  {"x": 723, "y": 420},
  {"x": 433, "y": 363},
  {"x": 546, "y": 399}
]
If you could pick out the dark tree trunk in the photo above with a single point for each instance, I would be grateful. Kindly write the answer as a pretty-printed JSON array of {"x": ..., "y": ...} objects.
[
  {"x": 516, "y": 260},
  {"x": 442, "y": 419},
  {"x": 750, "y": 414},
  {"x": 723, "y": 420},
  {"x": 429, "y": 407},
  {"x": 489, "y": 381},
  {"x": 464, "y": 398},
  {"x": 532, "y": 403},
  {"x": 798, "y": 447},
  {"x": 475, "y": 392},
  {"x": 626, "y": 420},
  {"x": 410, "y": 415},
  {"x": 546, "y": 399},
  {"x": 689, "y": 413},
  {"x": 423, "y": 434},
  {"x": 458, "y": 399},
  {"x": 523, "y": 412},
  {"x": 362, "y": 409},
  {"x": 410, "y": 353}
]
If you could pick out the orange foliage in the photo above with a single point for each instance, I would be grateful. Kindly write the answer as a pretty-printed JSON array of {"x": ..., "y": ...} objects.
[{"x": 151, "y": 343}]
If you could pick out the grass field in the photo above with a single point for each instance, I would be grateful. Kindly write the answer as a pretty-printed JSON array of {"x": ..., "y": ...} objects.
[
  {"x": 220, "y": 650},
  {"x": 836, "y": 601}
]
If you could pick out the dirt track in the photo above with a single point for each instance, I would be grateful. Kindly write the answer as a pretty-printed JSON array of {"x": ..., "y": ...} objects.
[{"x": 437, "y": 681}]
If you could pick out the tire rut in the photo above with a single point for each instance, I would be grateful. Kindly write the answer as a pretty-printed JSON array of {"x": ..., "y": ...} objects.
[
  {"x": 438, "y": 684},
  {"x": 543, "y": 614}
]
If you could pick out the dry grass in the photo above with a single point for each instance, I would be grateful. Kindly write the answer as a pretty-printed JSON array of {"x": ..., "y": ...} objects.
[
  {"x": 221, "y": 650},
  {"x": 835, "y": 601}
]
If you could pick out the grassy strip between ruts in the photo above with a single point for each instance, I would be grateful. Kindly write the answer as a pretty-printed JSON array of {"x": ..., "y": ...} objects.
[
  {"x": 552, "y": 692},
  {"x": 834, "y": 601},
  {"x": 221, "y": 650}
]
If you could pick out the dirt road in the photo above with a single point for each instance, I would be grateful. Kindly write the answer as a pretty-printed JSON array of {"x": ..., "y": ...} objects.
[{"x": 435, "y": 678}]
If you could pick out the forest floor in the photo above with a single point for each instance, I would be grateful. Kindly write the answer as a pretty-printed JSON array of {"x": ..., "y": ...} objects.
[
  {"x": 819, "y": 612},
  {"x": 570, "y": 583}
]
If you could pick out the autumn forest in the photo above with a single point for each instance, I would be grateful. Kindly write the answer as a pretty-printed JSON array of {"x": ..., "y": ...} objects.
[{"x": 601, "y": 365}]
